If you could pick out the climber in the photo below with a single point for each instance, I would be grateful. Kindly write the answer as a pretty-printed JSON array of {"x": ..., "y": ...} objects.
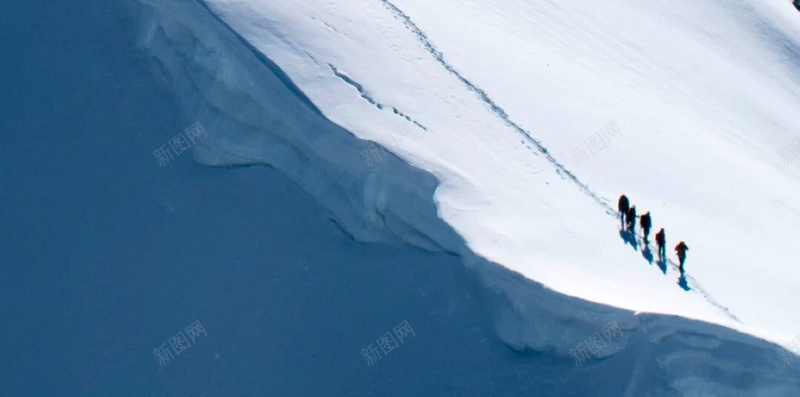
[
  {"x": 623, "y": 206},
  {"x": 661, "y": 241},
  {"x": 645, "y": 221},
  {"x": 681, "y": 249}
]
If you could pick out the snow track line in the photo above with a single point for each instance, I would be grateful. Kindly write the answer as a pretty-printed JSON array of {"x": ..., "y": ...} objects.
[
  {"x": 496, "y": 109},
  {"x": 560, "y": 168},
  {"x": 693, "y": 285}
]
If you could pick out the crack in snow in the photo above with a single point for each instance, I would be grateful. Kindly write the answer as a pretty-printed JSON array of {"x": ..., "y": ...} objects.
[{"x": 363, "y": 93}]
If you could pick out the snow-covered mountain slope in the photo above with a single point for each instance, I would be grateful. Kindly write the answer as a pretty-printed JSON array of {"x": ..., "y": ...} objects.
[
  {"x": 255, "y": 114},
  {"x": 495, "y": 97}
]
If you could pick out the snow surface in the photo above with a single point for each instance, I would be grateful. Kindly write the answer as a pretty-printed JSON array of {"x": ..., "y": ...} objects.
[
  {"x": 104, "y": 254},
  {"x": 501, "y": 187},
  {"x": 703, "y": 93}
]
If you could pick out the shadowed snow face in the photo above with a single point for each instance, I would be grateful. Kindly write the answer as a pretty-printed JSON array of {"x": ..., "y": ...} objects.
[{"x": 111, "y": 255}]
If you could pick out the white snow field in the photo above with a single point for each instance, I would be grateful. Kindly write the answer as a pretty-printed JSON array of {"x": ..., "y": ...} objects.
[
  {"x": 704, "y": 95},
  {"x": 491, "y": 98}
]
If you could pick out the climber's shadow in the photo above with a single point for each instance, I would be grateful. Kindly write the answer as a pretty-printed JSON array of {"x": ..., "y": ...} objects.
[
  {"x": 662, "y": 264},
  {"x": 647, "y": 254},
  {"x": 683, "y": 283},
  {"x": 629, "y": 238}
]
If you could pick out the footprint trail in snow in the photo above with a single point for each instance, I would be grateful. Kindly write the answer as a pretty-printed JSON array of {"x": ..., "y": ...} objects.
[{"x": 603, "y": 202}]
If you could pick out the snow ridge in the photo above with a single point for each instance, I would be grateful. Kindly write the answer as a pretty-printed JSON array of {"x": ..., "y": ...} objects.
[
  {"x": 253, "y": 118},
  {"x": 560, "y": 168}
]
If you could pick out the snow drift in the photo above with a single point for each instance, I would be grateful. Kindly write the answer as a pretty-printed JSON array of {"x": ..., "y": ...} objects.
[{"x": 367, "y": 67}]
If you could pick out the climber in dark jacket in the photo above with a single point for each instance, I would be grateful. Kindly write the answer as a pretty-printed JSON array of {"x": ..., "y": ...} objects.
[
  {"x": 623, "y": 206},
  {"x": 645, "y": 221},
  {"x": 661, "y": 241},
  {"x": 630, "y": 218},
  {"x": 681, "y": 249}
]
